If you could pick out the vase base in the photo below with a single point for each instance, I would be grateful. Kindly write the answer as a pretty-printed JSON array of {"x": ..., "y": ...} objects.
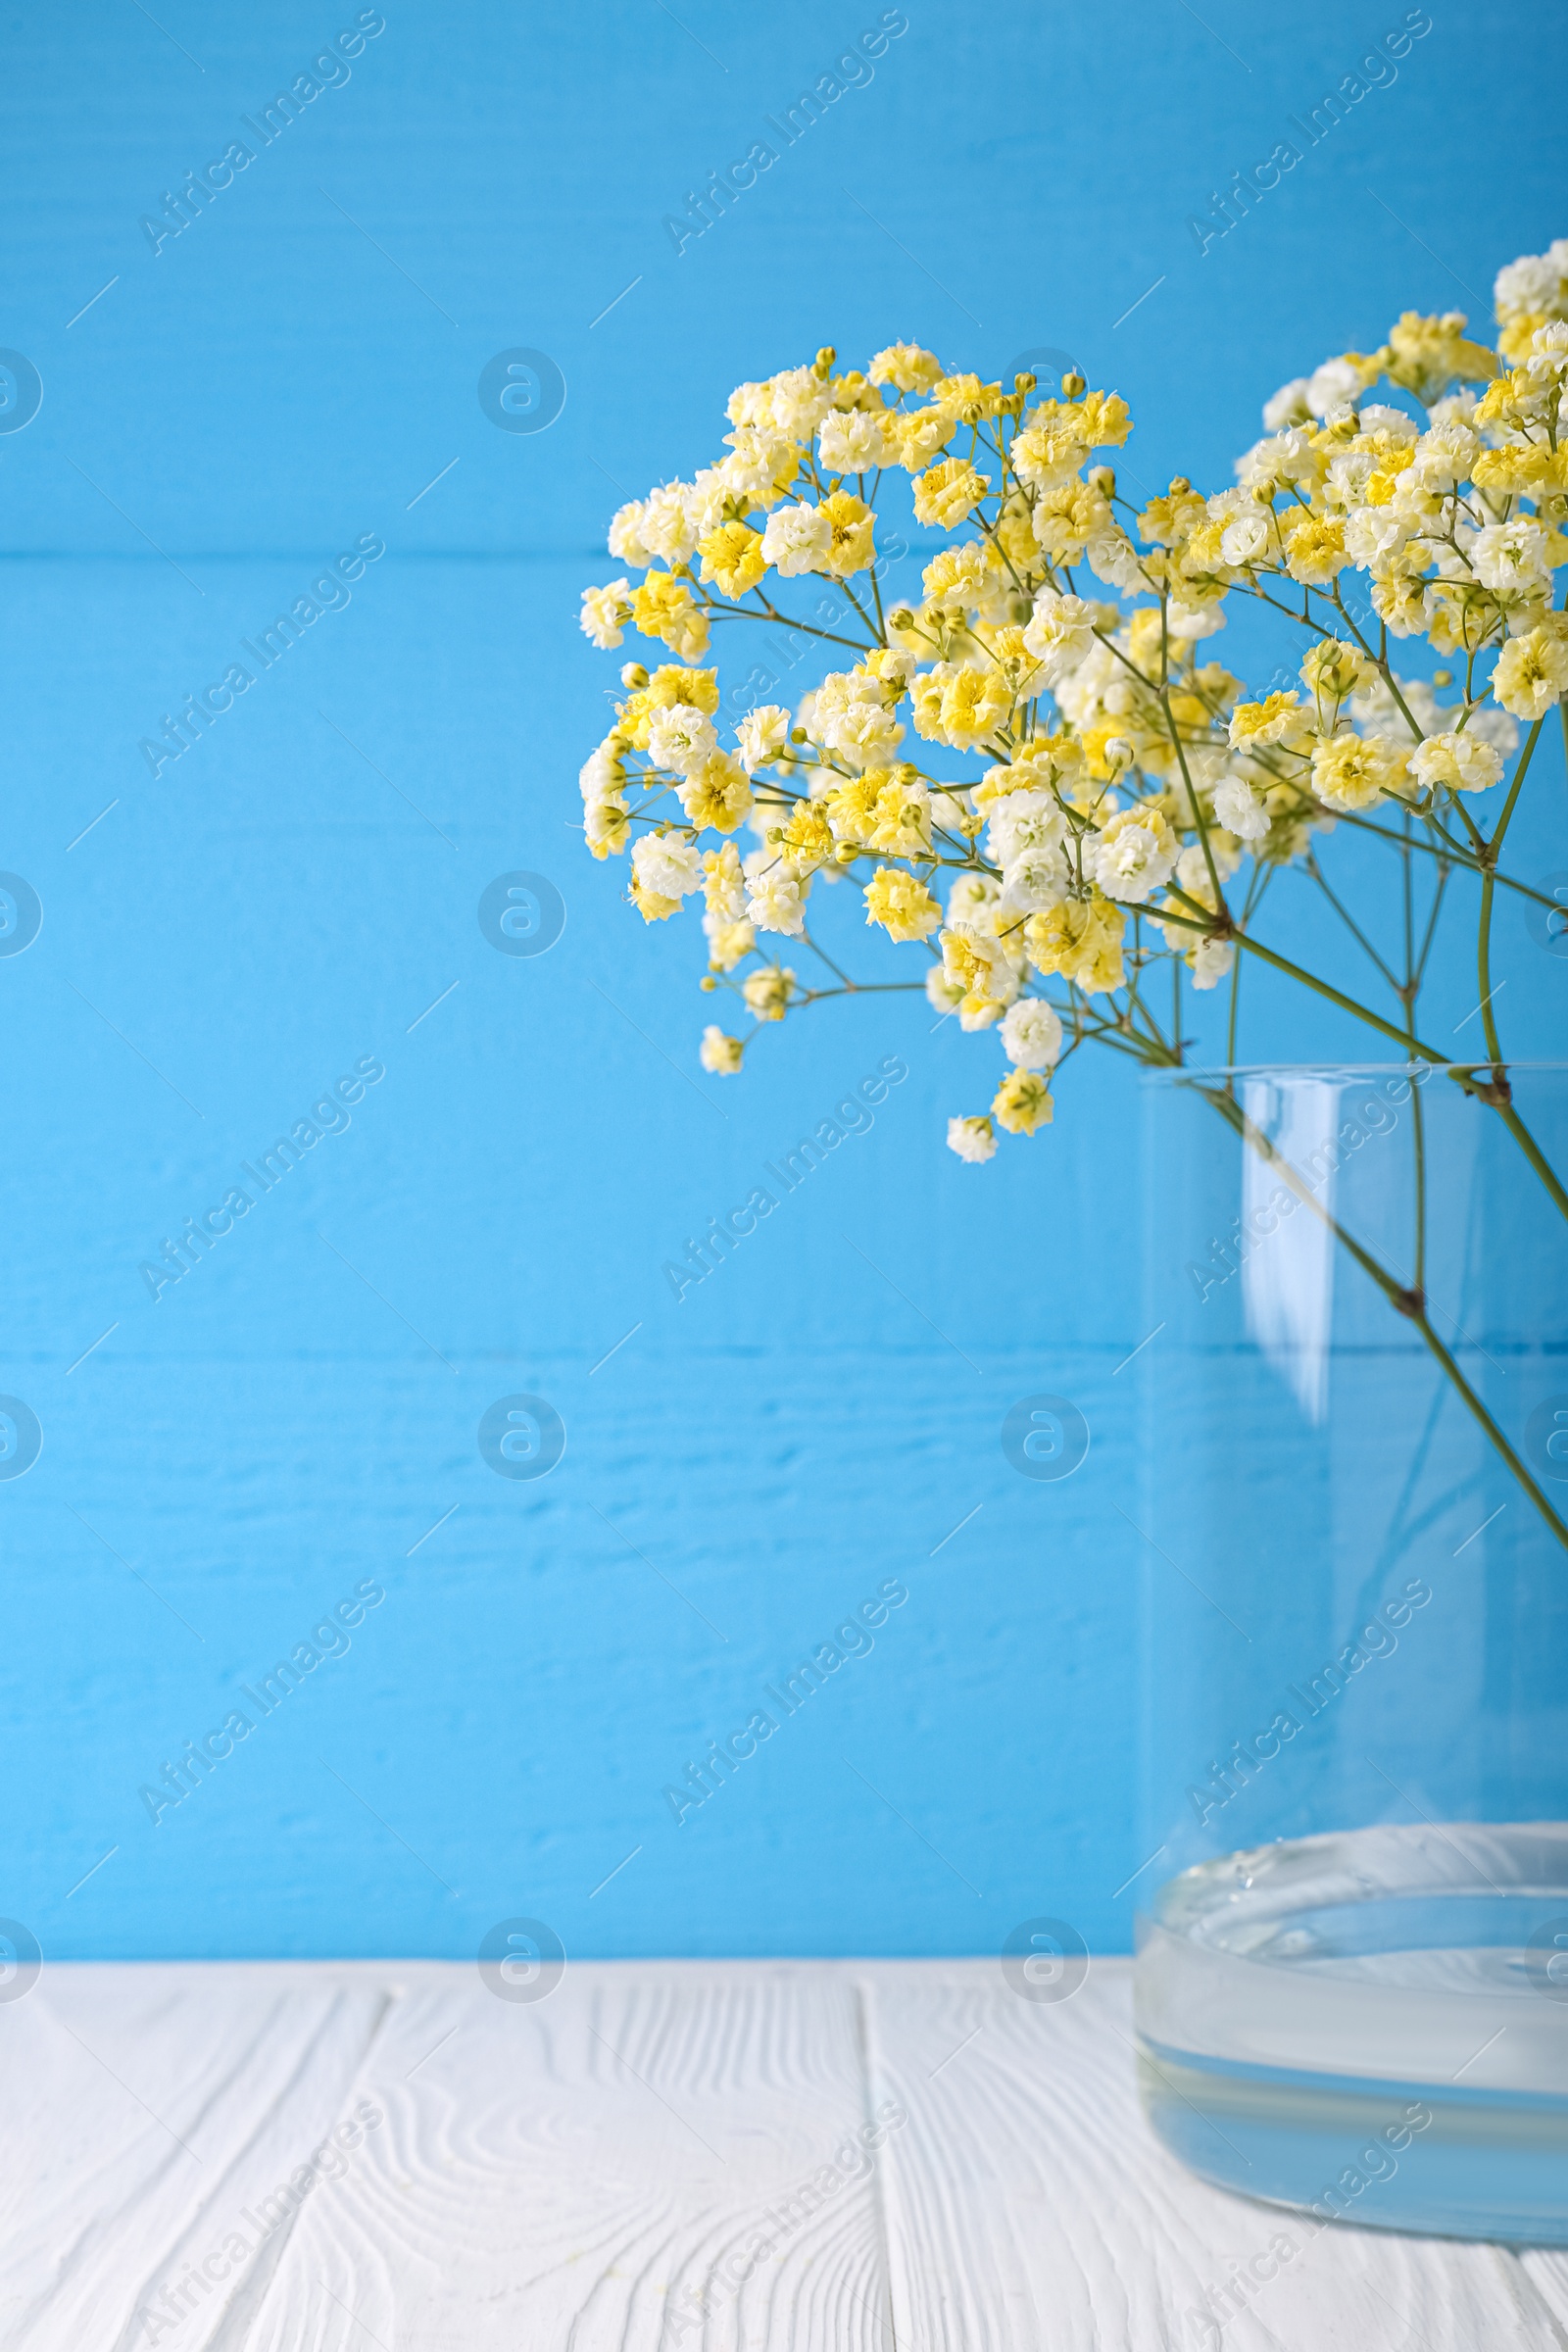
[{"x": 1385, "y": 2155}]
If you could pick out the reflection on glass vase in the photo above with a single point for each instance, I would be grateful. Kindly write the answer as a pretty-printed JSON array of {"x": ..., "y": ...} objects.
[{"x": 1353, "y": 1954}]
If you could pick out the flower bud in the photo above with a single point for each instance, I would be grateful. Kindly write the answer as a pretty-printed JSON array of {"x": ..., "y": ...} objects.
[
  {"x": 635, "y": 676},
  {"x": 707, "y": 985},
  {"x": 1443, "y": 677},
  {"x": 824, "y": 363},
  {"x": 900, "y": 617},
  {"x": 1180, "y": 486},
  {"x": 1073, "y": 386},
  {"x": 798, "y": 735},
  {"x": 1104, "y": 479},
  {"x": 1024, "y": 383}
]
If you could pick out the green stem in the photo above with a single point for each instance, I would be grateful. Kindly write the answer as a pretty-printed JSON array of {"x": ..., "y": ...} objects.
[{"x": 1406, "y": 1303}]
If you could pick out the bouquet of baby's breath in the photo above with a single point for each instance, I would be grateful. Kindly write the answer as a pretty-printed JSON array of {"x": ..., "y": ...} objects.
[{"x": 1052, "y": 791}]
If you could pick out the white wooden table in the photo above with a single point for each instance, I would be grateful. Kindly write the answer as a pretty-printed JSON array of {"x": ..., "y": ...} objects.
[{"x": 325, "y": 2158}]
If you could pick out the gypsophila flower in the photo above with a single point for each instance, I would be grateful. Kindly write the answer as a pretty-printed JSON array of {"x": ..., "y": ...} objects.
[
  {"x": 1049, "y": 796},
  {"x": 719, "y": 1053},
  {"x": 973, "y": 1140}
]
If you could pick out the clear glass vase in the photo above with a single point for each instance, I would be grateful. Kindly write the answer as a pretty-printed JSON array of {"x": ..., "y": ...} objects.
[{"x": 1352, "y": 1950}]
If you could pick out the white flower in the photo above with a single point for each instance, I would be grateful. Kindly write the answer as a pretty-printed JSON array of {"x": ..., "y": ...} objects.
[
  {"x": 1134, "y": 855},
  {"x": 1061, "y": 631},
  {"x": 604, "y": 610},
  {"x": 1512, "y": 555},
  {"x": 680, "y": 737},
  {"x": 1031, "y": 1034},
  {"x": 762, "y": 735},
  {"x": 601, "y": 775},
  {"x": 1288, "y": 405},
  {"x": 627, "y": 542},
  {"x": 969, "y": 896},
  {"x": 797, "y": 401},
  {"x": 666, "y": 525},
  {"x": 852, "y": 441},
  {"x": 1246, "y": 537},
  {"x": 1530, "y": 283},
  {"x": 973, "y": 1140},
  {"x": 665, "y": 865},
  {"x": 1035, "y": 880},
  {"x": 777, "y": 901},
  {"x": 1444, "y": 456},
  {"x": 1113, "y": 558},
  {"x": 1460, "y": 763},
  {"x": 1395, "y": 422},
  {"x": 1023, "y": 821},
  {"x": 720, "y": 1053},
  {"x": 1373, "y": 535},
  {"x": 941, "y": 994},
  {"x": 1211, "y": 961},
  {"x": 1333, "y": 385},
  {"x": 1238, "y": 809},
  {"x": 796, "y": 540}
]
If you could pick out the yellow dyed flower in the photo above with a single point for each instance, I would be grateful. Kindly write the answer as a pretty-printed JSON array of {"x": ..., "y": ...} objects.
[
  {"x": 1425, "y": 355},
  {"x": 807, "y": 840},
  {"x": 853, "y": 521},
  {"x": 716, "y": 793},
  {"x": 901, "y": 903},
  {"x": 903, "y": 819},
  {"x": 948, "y": 492},
  {"x": 1332, "y": 670},
  {"x": 974, "y": 704},
  {"x": 1314, "y": 548},
  {"x": 918, "y": 434},
  {"x": 663, "y": 608},
  {"x": 720, "y": 1055},
  {"x": 959, "y": 575},
  {"x": 728, "y": 943},
  {"x": 1023, "y": 1103},
  {"x": 906, "y": 368},
  {"x": 1082, "y": 940},
  {"x": 974, "y": 960},
  {"x": 1257, "y": 724},
  {"x": 1356, "y": 771},
  {"x": 1533, "y": 669},
  {"x": 732, "y": 558},
  {"x": 767, "y": 993}
]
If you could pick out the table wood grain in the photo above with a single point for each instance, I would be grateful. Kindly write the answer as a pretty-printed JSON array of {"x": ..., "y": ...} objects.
[{"x": 823, "y": 2157}]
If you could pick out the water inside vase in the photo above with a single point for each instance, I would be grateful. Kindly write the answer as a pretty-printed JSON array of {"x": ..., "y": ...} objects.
[{"x": 1371, "y": 2024}]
